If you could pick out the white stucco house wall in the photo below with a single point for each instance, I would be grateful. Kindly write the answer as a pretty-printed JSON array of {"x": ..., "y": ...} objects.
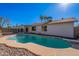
[{"x": 64, "y": 28}]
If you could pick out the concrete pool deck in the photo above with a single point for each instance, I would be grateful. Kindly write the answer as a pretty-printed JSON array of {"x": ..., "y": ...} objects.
[{"x": 40, "y": 50}]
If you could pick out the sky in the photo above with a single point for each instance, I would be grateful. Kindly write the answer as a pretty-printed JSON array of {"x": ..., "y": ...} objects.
[{"x": 29, "y": 13}]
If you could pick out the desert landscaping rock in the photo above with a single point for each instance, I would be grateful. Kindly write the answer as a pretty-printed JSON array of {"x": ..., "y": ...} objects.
[{"x": 12, "y": 51}]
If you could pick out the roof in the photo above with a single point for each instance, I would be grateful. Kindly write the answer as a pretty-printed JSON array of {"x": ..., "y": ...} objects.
[
  {"x": 37, "y": 24},
  {"x": 58, "y": 21},
  {"x": 64, "y": 21}
]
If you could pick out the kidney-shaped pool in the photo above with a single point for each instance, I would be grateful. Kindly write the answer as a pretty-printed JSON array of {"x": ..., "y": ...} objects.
[{"x": 52, "y": 42}]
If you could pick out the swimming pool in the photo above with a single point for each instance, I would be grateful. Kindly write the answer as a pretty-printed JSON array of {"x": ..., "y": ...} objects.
[{"x": 52, "y": 42}]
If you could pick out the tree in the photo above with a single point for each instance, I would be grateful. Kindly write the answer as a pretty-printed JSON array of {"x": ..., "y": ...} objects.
[
  {"x": 8, "y": 24},
  {"x": 0, "y": 21},
  {"x": 49, "y": 19},
  {"x": 41, "y": 18},
  {"x": 1, "y": 24},
  {"x": 62, "y": 18},
  {"x": 45, "y": 19}
]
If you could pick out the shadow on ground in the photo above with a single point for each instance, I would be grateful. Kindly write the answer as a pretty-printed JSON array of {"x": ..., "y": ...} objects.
[{"x": 75, "y": 45}]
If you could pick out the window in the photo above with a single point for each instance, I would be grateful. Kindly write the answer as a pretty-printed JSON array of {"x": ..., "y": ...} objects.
[
  {"x": 44, "y": 28},
  {"x": 34, "y": 28}
]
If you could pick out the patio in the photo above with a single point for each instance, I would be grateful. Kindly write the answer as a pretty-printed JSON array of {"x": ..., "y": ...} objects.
[{"x": 40, "y": 50}]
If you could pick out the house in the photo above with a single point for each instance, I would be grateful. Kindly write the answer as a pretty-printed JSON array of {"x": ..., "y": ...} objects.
[
  {"x": 77, "y": 31},
  {"x": 63, "y": 28},
  {"x": 21, "y": 28}
]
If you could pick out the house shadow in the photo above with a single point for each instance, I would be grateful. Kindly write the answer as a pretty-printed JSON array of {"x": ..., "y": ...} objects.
[{"x": 75, "y": 45}]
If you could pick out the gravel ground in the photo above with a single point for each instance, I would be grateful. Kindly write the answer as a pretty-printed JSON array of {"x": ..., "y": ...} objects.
[{"x": 12, "y": 51}]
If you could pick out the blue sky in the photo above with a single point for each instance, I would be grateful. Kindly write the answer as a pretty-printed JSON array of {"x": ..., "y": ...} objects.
[{"x": 28, "y": 13}]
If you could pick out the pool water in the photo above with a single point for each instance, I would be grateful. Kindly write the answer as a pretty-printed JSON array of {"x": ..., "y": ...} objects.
[{"x": 53, "y": 42}]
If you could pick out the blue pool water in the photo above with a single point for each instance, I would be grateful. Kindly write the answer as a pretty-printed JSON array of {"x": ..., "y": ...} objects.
[{"x": 53, "y": 42}]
